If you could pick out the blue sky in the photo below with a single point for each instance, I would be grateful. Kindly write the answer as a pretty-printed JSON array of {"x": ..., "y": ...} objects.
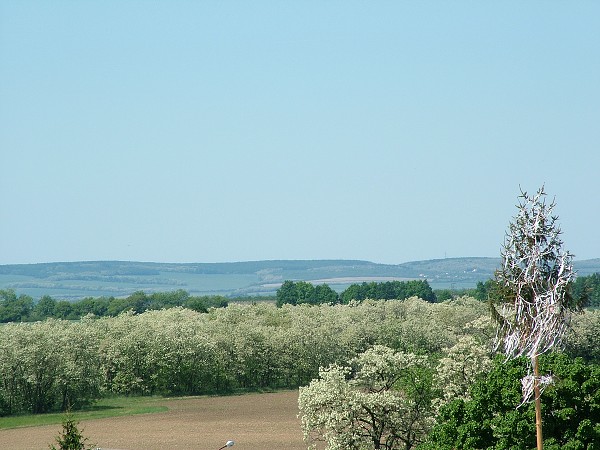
[{"x": 218, "y": 131}]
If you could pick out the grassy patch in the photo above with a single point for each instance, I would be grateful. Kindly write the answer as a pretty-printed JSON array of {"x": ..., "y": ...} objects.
[{"x": 108, "y": 407}]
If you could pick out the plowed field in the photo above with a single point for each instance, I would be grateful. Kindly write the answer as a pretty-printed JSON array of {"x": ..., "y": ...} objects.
[{"x": 253, "y": 421}]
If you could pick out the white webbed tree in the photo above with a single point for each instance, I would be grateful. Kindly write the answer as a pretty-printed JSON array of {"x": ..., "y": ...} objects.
[
  {"x": 534, "y": 285},
  {"x": 381, "y": 401}
]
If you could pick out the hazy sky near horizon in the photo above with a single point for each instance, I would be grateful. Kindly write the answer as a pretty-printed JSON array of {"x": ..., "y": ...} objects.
[{"x": 216, "y": 131}]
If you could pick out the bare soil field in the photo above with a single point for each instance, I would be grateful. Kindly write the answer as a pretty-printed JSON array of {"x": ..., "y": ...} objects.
[{"x": 253, "y": 421}]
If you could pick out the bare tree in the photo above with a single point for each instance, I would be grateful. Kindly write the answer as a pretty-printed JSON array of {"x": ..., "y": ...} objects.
[{"x": 534, "y": 283}]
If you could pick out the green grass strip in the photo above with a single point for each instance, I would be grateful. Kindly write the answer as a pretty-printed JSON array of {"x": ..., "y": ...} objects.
[{"x": 108, "y": 407}]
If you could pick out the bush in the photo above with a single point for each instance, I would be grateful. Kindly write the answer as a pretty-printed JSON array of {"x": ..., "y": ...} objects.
[{"x": 70, "y": 438}]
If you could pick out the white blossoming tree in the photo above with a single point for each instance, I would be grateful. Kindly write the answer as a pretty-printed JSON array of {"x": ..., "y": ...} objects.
[
  {"x": 458, "y": 369},
  {"x": 533, "y": 284},
  {"x": 382, "y": 400}
]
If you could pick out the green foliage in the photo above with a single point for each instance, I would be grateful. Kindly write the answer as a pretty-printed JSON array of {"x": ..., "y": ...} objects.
[
  {"x": 444, "y": 294},
  {"x": 486, "y": 291},
  {"x": 588, "y": 288},
  {"x": 301, "y": 292},
  {"x": 70, "y": 438},
  {"x": 389, "y": 290},
  {"x": 44, "y": 308},
  {"x": 324, "y": 294},
  {"x": 491, "y": 419},
  {"x": 296, "y": 293},
  {"x": 13, "y": 308},
  {"x": 22, "y": 308}
]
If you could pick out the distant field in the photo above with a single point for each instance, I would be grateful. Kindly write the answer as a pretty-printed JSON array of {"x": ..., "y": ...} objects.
[
  {"x": 73, "y": 288},
  {"x": 253, "y": 421},
  {"x": 75, "y": 280}
]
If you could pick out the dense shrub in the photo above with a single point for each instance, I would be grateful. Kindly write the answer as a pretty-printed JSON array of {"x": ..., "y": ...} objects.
[{"x": 492, "y": 417}]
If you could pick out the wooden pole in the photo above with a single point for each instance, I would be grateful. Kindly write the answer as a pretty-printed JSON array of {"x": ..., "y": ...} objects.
[{"x": 538, "y": 405}]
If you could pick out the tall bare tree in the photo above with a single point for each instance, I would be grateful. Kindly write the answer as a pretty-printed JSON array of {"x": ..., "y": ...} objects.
[{"x": 534, "y": 283}]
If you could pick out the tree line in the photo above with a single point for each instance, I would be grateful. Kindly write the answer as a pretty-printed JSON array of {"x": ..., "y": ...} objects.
[
  {"x": 303, "y": 292},
  {"x": 586, "y": 288},
  {"x": 23, "y": 308},
  {"x": 55, "y": 364},
  {"x": 48, "y": 365}
]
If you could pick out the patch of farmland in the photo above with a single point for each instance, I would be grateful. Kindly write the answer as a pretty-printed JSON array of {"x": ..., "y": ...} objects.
[{"x": 253, "y": 421}]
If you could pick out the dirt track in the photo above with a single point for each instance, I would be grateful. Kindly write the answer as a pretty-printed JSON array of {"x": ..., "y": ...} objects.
[{"x": 253, "y": 421}]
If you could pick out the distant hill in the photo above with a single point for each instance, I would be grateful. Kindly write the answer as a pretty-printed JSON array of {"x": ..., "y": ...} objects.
[{"x": 74, "y": 280}]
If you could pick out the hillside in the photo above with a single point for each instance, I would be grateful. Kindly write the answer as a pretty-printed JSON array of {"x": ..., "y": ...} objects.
[{"x": 73, "y": 280}]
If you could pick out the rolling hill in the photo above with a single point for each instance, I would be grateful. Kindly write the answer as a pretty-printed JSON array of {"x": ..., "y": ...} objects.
[{"x": 74, "y": 280}]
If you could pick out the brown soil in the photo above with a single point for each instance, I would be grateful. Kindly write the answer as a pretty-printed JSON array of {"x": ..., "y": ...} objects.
[{"x": 253, "y": 421}]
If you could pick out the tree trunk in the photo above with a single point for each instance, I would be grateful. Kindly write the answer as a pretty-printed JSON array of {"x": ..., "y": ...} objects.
[{"x": 538, "y": 405}]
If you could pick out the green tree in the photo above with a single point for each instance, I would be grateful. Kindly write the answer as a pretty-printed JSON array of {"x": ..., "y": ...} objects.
[
  {"x": 325, "y": 294},
  {"x": 419, "y": 288},
  {"x": 64, "y": 310},
  {"x": 13, "y": 308},
  {"x": 490, "y": 419},
  {"x": 300, "y": 292},
  {"x": 138, "y": 302},
  {"x": 89, "y": 305},
  {"x": 117, "y": 306},
  {"x": 388, "y": 290},
  {"x": 160, "y": 300},
  {"x": 44, "y": 308},
  {"x": 71, "y": 438},
  {"x": 444, "y": 294},
  {"x": 483, "y": 291},
  {"x": 197, "y": 304},
  {"x": 588, "y": 287},
  {"x": 287, "y": 294},
  {"x": 353, "y": 292},
  {"x": 305, "y": 293}
]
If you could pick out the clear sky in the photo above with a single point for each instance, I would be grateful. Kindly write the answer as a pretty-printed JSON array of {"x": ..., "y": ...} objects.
[{"x": 215, "y": 131}]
